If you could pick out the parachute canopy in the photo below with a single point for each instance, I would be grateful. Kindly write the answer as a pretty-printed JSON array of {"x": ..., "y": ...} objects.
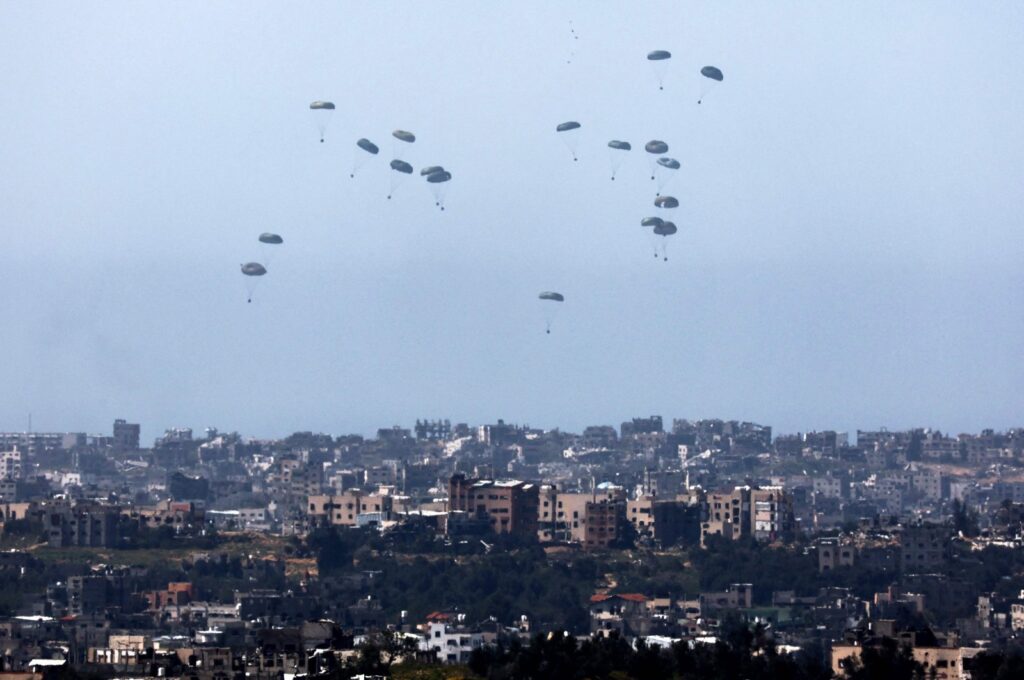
[
  {"x": 651, "y": 222},
  {"x": 659, "y": 55},
  {"x": 322, "y": 105},
  {"x": 670, "y": 163},
  {"x": 431, "y": 169},
  {"x": 666, "y": 202},
  {"x": 622, "y": 146},
  {"x": 555, "y": 297},
  {"x": 665, "y": 229},
  {"x": 568, "y": 125},
  {"x": 401, "y": 166},
  {"x": 439, "y": 177},
  {"x": 656, "y": 146},
  {"x": 404, "y": 135},
  {"x": 712, "y": 72},
  {"x": 253, "y": 269},
  {"x": 267, "y": 237},
  {"x": 368, "y": 146}
]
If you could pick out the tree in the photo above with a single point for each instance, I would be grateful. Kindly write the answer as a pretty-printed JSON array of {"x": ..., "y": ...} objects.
[{"x": 887, "y": 659}]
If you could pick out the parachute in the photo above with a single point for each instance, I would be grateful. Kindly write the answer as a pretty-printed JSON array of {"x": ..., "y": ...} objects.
[
  {"x": 549, "y": 311},
  {"x": 666, "y": 202},
  {"x": 252, "y": 272},
  {"x": 616, "y": 149},
  {"x": 360, "y": 158},
  {"x": 714, "y": 76},
  {"x": 404, "y": 136},
  {"x": 322, "y": 112},
  {"x": 269, "y": 243},
  {"x": 368, "y": 146},
  {"x": 665, "y": 171},
  {"x": 569, "y": 136},
  {"x": 659, "y": 62},
  {"x": 401, "y": 169},
  {"x": 712, "y": 72},
  {"x": 656, "y": 147},
  {"x": 664, "y": 230},
  {"x": 438, "y": 181},
  {"x": 431, "y": 169},
  {"x": 651, "y": 222}
]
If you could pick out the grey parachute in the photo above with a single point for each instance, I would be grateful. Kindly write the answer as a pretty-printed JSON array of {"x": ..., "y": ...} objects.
[
  {"x": 652, "y": 237},
  {"x": 616, "y": 154},
  {"x": 664, "y": 171},
  {"x": 568, "y": 131},
  {"x": 368, "y": 146},
  {"x": 401, "y": 166},
  {"x": 322, "y": 112},
  {"x": 269, "y": 243},
  {"x": 550, "y": 310},
  {"x": 252, "y": 272},
  {"x": 360, "y": 158},
  {"x": 713, "y": 76},
  {"x": 656, "y": 148},
  {"x": 666, "y": 202},
  {"x": 403, "y": 136},
  {"x": 664, "y": 230},
  {"x": 438, "y": 181},
  {"x": 659, "y": 60},
  {"x": 712, "y": 72},
  {"x": 431, "y": 169},
  {"x": 401, "y": 170}
]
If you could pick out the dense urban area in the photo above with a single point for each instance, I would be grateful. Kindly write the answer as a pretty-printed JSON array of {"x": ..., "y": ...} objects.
[{"x": 700, "y": 549}]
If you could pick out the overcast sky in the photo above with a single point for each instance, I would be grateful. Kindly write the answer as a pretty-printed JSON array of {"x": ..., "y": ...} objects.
[{"x": 849, "y": 246}]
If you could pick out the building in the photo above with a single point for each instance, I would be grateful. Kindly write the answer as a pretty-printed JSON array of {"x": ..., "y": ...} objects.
[
  {"x": 350, "y": 508},
  {"x": 508, "y": 507},
  {"x": 126, "y": 436},
  {"x": 764, "y": 513},
  {"x": 924, "y": 547}
]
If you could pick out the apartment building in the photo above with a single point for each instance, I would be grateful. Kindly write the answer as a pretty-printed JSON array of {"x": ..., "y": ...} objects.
[{"x": 508, "y": 507}]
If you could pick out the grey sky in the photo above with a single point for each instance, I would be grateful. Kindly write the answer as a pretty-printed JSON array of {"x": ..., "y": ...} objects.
[{"x": 850, "y": 239}]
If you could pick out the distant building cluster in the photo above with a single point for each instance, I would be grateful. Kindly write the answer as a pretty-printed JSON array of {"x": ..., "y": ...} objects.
[{"x": 905, "y": 503}]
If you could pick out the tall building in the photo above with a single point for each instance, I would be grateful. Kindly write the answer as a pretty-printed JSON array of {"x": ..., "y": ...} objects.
[
  {"x": 509, "y": 507},
  {"x": 126, "y": 435},
  {"x": 763, "y": 513}
]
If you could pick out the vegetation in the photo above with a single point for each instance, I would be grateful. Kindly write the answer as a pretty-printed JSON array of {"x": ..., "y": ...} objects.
[{"x": 741, "y": 653}]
